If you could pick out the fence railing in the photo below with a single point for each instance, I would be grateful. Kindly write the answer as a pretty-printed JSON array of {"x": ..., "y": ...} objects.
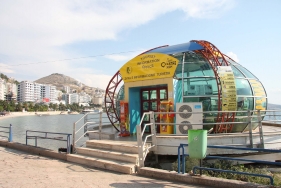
[
  {"x": 64, "y": 137},
  {"x": 90, "y": 120},
  {"x": 143, "y": 149},
  {"x": 7, "y": 132},
  {"x": 182, "y": 155},
  {"x": 250, "y": 117}
]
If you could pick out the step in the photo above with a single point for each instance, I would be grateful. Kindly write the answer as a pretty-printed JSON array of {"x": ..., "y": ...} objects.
[
  {"x": 117, "y": 166},
  {"x": 101, "y": 135},
  {"x": 108, "y": 154},
  {"x": 113, "y": 145}
]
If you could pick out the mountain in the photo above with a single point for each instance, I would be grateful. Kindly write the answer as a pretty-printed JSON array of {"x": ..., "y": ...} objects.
[
  {"x": 273, "y": 106},
  {"x": 60, "y": 80}
]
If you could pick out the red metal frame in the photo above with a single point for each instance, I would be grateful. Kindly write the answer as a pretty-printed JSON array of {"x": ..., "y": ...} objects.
[
  {"x": 109, "y": 99},
  {"x": 213, "y": 56}
]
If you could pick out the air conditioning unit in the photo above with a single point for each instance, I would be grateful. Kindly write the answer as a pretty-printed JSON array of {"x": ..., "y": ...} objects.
[{"x": 189, "y": 120}]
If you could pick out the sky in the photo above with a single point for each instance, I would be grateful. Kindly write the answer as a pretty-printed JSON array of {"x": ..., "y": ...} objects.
[{"x": 90, "y": 40}]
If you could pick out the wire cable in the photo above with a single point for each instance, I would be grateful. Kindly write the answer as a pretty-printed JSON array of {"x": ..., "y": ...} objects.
[{"x": 75, "y": 58}]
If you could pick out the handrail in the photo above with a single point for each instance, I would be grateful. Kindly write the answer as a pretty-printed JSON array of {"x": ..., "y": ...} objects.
[
  {"x": 46, "y": 136},
  {"x": 234, "y": 172},
  {"x": 143, "y": 150},
  {"x": 85, "y": 127},
  {"x": 9, "y": 132}
]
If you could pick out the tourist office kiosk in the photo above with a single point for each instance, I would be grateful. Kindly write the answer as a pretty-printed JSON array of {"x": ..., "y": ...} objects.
[{"x": 189, "y": 77}]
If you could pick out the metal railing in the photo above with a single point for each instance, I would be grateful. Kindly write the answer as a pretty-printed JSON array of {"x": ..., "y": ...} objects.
[
  {"x": 143, "y": 149},
  {"x": 8, "y": 132},
  {"x": 48, "y": 135},
  {"x": 233, "y": 172},
  {"x": 252, "y": 116},
  {"x": 182, "y": 155},
  {"x": 90, "y": 120}
]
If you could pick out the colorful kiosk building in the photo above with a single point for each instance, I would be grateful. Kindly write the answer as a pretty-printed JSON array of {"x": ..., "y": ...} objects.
[{"x": 189, "y": 77}]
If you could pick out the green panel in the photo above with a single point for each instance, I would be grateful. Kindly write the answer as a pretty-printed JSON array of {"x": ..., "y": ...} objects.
[{"x": 197, "y": 144}]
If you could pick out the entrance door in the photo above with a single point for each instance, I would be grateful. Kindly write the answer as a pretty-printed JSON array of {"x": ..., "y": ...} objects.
[{"x": 150, "y": 101}]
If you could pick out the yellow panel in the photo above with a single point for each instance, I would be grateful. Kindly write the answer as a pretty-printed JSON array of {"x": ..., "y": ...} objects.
[{"x": 149, "y": 67}]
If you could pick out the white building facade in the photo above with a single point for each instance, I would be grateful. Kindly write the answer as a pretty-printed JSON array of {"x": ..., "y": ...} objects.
[
  {"x": 34, "y": 92},
  {"x": 2, "y": 89}
]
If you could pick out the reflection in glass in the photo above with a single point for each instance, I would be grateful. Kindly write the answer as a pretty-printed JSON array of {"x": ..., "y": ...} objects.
[
  {"x": 163, "y": 94},
  {"x": 153, "y": 94},
  {"x": 145, "y": 106},
  {"x": 145, "y": 95}
]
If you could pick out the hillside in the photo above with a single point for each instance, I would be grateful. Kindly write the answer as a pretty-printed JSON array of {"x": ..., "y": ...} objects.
[{"x": 60, "y": 80}]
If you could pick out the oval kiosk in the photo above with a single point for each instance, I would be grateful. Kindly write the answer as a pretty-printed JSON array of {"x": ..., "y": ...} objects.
[{"x": 190, "y": 77}]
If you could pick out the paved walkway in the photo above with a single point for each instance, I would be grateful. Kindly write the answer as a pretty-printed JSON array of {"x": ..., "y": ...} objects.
[{"x": 19, "y": 169}]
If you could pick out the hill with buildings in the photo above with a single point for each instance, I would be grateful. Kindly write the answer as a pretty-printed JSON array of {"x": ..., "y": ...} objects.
[{"x": 60, "y": 81}]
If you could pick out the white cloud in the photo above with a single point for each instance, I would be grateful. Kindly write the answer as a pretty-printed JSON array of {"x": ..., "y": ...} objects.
[
  {"x": 33, "y": 31},
  {"x": 233, "y": 56},
  {"x": 5, "y": 68}
]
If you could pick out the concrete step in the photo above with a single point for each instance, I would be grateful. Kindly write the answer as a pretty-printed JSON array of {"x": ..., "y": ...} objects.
[
  {"x": 118, "y": 166},
  {"x": 109, "y": 154},
  {"x": 101, "y": 135},
  {"x": 113, "y": 145}
]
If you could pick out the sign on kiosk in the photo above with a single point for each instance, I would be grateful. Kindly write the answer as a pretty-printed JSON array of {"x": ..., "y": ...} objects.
[{"x": 148, "y": 67}]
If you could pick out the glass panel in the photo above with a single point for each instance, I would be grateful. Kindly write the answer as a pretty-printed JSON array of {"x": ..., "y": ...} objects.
[
  {"x": 236, "y": 72},
  {"x": 153, "y": 94},
  {"x": 245, "y": 71},
  {"x": 243, "y": 87},
  {"x": 163, "y": 94},
  {"x": 146, "y": 117},
  {"x": 145, "y": 106},
  {"x": 200, "y": 86},
  {"x": 245, "y": 103},
  {"x": 153, "y": 105},
  {"x": 145, "y": 95}
]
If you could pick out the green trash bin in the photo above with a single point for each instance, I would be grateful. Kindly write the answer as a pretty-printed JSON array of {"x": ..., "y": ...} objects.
[{"x": 197, "y": 143}]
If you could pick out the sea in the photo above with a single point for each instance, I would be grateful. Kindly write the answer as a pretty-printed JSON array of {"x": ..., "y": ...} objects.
[{"x": 47, "y": 123}]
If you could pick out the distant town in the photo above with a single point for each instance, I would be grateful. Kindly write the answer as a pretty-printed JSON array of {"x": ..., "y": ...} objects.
[{"x": 46, "y": 94}]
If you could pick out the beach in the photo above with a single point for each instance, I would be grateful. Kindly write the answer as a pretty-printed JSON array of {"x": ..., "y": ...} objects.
[{"x": 18, "y": 114}]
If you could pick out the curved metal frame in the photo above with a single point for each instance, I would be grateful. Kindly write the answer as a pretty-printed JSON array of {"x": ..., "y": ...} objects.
[
  {"x": 212, "y": 55},
  {"x": 110, "y": 97}
]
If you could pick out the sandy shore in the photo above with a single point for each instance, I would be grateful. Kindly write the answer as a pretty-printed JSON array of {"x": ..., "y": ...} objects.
[{"x": 17, "y": 114}]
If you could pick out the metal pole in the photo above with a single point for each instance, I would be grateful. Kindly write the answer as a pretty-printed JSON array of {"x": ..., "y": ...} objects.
[
  {"x": 73, "y": 137},
  {"x": 140, "y": 146},
  {"x": 153, "y": 131},
  {"x": 10, "y": 134},
  {"x": 100, "y": 124},
  {"x": 260, "y": 130},
  {"x": 200, "y": 166},
  {"x": 250, "y": 129},
  {"x": 68, "y": 144}
]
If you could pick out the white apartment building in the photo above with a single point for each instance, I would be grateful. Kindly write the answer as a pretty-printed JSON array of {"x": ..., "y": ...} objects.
[
  {"x": 84, "y": 98},
  {"x": 66, "y": 89},
  {"x": 26, "y": 92},
  {"x": 49, "y": 92},
  {"x": 34, "y": 92},
  {"x": 2, "y": 89}
]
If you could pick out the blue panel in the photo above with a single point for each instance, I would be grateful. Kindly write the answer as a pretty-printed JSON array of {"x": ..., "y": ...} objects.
[
  {"x": 190, "y": 46},
  {"x": 134, "y": 108}
]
